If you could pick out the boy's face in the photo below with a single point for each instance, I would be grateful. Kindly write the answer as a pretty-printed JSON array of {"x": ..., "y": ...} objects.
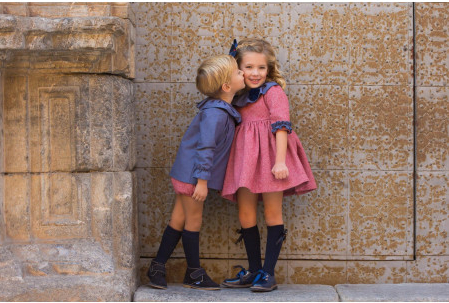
[
  {"x": 237, "y": 81},
  {"x": 255, "y": 67}
]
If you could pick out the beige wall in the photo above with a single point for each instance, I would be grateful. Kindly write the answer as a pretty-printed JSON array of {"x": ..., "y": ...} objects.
[{"x": 350, "y": 75}]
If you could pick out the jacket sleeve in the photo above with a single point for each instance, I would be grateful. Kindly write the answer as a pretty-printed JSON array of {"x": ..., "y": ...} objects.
[
  {"x": 212, "y": 125},
  {"x": 277, "y": 103}
]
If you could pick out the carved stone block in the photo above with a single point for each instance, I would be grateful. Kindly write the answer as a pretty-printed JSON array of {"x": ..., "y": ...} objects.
[{"x": 68, "y": 123}]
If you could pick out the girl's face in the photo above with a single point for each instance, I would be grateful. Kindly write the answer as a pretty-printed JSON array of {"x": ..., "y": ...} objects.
[{"x": 255, "y": 67}]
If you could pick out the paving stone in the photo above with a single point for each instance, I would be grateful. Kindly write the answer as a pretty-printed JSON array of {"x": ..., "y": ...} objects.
[
  {"x": 285, "y": 293},
  {"x": 438, "y": 292}
]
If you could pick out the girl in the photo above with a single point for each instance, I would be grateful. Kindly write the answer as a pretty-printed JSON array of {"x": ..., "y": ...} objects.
[
  {"x": 267, "y": 161},
  {"x": 200, "y": 164}
]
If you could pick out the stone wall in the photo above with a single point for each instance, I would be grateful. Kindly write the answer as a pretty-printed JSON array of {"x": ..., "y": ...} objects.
[
  {"x": 68, "y": 208},
  {"x": 351, "y": 85}
]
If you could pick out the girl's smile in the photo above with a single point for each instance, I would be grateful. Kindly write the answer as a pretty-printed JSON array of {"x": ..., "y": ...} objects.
[{"x": 255, "y": 68}]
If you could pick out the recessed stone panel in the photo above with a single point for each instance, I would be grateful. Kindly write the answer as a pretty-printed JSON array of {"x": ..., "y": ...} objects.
[{"x": 60, "y": 206}]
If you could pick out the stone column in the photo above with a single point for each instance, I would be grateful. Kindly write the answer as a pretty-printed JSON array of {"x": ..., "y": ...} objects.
[{"x": 68, "y": 214}]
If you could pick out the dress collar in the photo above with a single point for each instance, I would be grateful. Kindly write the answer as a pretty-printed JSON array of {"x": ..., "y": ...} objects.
[{"x": 252, "y": 95}]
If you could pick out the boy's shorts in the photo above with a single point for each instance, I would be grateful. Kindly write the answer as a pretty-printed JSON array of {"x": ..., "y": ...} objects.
[{"x": 182, "y": 188}]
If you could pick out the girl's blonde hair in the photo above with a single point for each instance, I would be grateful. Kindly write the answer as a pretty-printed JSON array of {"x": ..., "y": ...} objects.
[
  {"x": 262, "y": 46},
  {"x": 213, "y": 73}
]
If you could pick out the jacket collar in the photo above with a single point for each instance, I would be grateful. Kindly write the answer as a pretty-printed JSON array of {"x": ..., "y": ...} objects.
[
  {"x": 253, "y": 94},
  {"x": 217, "y": 103}
]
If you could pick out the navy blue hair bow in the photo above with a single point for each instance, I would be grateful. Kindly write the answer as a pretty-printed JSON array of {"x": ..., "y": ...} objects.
[{"x": 233, "y": 50}]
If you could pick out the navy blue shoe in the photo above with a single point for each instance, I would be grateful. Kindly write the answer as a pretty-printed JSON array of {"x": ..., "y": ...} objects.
[
  {"x": 156, "y": 274},
  {"x": 264, "y": 282},
  {"x": 243, "y": 279},
  {"x": 198, "y": 278}
]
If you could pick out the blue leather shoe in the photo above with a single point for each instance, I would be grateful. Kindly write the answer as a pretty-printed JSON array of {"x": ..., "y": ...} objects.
[
  {"x": 264, "y": 282},
  {"x": 243, "y": 279}
]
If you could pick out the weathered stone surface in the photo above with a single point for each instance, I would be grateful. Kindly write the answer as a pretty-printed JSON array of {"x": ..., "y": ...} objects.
[
  {"x": 381, "y": 215},
  {"x": 380, "y": 128},
  {"x": 16, "y": 202},
  {"x": 285, "y": 293},
  {"x": 316, "y": 272},
  {"x": 15, "y": 124},
  {"x": 432, "y": 58},
  {"x": 124, "y": 216},
  {"x": 317, "y": 224},
  {"x": 397, "y": 292},
  {"x": 77, "y": 123},
  {"x": 76, "y": 229},
  {"x": 428, "y": 269},
  {"x": 70, "y": 288},
  {"x": 90, "y": 44},
  {"x": 432, "y": 132},
  {"x": 432, "y": 207},
  {"x": 367, "y": 272}
]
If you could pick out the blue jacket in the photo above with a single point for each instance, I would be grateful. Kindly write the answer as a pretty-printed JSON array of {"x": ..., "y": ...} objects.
[{"x": 204, "y": 150}]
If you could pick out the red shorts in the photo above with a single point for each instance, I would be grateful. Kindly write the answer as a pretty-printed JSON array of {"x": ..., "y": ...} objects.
[{"x": 182, "y": 188}]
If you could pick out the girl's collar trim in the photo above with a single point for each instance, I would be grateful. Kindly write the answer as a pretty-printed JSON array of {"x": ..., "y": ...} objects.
[{"x": 253, "y": 94}]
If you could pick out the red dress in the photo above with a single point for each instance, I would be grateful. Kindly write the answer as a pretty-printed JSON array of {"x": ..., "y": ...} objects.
[{"x": 253, "y": 150}]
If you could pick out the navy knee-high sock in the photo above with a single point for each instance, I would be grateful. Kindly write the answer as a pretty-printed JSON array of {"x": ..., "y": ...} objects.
[
  {"x": 274, "y": 244},
  {"x": 170, "y": 239},
  {"x": 251, "y": 238},
  {"x": 191, "y": 243}
]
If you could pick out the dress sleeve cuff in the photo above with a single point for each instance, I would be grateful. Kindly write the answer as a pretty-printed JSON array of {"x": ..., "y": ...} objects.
[
  {"x": 201, "y": 173},
  {"x": 281, "y": 125}
]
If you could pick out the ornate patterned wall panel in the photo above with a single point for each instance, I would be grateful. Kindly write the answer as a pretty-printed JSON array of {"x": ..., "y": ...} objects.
[
  {"x": 432, "y": 193},
  {"x": 349, "y": 69},
  {"x": 432, "y": 58}
]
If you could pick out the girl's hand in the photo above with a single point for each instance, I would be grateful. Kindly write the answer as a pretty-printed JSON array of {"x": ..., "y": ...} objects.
[
  {"x": 200, "y": 193},
  {"x": 280, "y": 171}
]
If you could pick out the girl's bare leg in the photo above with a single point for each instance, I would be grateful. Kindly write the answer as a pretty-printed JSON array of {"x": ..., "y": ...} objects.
[
  {"x": 272, "y": 203},
  {"x": 247, "y": 204}
]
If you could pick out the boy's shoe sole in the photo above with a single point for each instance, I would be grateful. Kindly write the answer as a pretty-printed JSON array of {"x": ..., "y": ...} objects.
[
  {"x": 156, "y": 286},
  {"x": 199, "y": 287},
  {"x": 263, "y": 289},
  {"x": 235, "y": 285}
]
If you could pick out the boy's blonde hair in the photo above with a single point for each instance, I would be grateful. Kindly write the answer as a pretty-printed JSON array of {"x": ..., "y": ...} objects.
[
  {"x": 213, "y": 73},
  {"x": 262, "y": 46}
]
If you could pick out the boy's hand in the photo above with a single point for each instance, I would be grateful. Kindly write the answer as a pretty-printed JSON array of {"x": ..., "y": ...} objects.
[
  {"x": 200, "y": 193},
  {"x": 280, "y": 171}
]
